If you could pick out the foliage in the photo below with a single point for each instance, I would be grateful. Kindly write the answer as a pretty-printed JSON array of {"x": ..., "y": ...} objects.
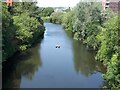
[
  {"x": 88, "y": 19},
  {"x": 68, "y": 20},
  {"x": 47, "y": 11},
  {"x": 46, "y": 19},
  {"x": 109, "y": 51},
  {"x": 25, "y": 31},
  {"x": 8, "y": 34},
  {"x": 56, "y": 17},
  {"x": 25, "y": 26},
  {"x": 30, "y": 8}
]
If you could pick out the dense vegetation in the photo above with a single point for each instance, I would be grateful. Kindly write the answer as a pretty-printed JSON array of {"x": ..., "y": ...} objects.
[
  {"x": 56, "y": 17},
  {"x": 21, "y": 27},
  {"x": 47, "y": 11},
  {"x": 99, "y": 31},
  {"x": 96, "y": 29},
  {"x": 109, "y": 51}
]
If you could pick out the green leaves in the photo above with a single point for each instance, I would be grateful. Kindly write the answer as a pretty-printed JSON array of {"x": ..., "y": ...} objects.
[
  {"x": 99, "y": 31},
  {"x": 47, "y": 11},
  {"x": 68, "y": 20},
  {"x": 57, "y": 17},
  {"x": 87, "y": 23},
  {"x": 8, "y": 33},
  {"x": 22, "y": 29},
  {"x": 108, "y": 51},
  {"x": 26, "y": 27}
]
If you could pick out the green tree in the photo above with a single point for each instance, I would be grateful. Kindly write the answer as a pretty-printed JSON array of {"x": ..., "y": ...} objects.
[
  {"x": 56, "y": 17},
  {"x": 68, "y": 20},
  {"x": 25, "y": 28},
  {"x": 47, "y": 11},
  {"x": 109, "y": 51},
  {"x": 88, "y": 19},
  {"x": 8, "y": 34},
  {"x": 21, "y": 29}
]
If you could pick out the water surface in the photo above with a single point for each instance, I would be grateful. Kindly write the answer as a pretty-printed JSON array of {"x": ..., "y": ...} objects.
[{"x": 45, "y": 66}]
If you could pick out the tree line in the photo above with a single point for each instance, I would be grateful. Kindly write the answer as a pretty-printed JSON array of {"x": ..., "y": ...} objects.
[
  {"x": 99, "y": 30},
  {"x": 22, "y": 27}
]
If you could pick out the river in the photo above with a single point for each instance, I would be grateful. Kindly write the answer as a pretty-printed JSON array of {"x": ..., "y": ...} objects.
[{"x": 45, "y": 66}]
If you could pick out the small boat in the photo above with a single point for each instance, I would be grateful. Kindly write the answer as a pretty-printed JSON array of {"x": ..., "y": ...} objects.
[{"x": 57, "y": 46}]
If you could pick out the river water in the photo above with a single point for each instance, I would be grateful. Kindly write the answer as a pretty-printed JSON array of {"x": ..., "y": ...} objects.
[{"x": 45, "y": 66}]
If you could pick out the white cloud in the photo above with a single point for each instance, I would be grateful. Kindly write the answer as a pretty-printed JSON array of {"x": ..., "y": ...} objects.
[{"x": 57, "y": 3}]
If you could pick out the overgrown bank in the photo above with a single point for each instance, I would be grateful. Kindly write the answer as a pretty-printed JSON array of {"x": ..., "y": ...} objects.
[
  {"x": 98, "y": 30},
  {"x": 21, "y": 27}
]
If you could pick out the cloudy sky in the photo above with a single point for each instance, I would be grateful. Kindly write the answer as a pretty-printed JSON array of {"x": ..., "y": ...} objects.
[{"x": 57, "y": 3}]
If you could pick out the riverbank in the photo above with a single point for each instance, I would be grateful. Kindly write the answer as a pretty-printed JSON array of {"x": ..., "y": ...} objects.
[
  {"x": 98, "y": 31},
  {"x": 70, "y": 66}
]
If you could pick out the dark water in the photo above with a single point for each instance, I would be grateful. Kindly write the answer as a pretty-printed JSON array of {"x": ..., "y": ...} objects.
[{"x": 44, "y": 66}]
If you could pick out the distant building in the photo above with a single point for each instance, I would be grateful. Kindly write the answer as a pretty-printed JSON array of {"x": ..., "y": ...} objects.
[
  {"x": 114, "y": 5},
  {"x": 62, "y": 9}
]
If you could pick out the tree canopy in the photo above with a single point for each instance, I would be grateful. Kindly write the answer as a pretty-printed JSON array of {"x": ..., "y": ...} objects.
[
  {"x": 47, "y": 11},
  {"x": 21, "y": 28}
]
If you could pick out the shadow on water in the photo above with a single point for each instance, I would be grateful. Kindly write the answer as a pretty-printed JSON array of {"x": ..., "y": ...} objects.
[
  {"x": 24, "y": 64},
  {"x": 84, "y": 59}
]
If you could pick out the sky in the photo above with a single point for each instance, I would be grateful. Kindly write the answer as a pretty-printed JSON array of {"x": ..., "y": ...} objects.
[{"x": 57, "y": 3}]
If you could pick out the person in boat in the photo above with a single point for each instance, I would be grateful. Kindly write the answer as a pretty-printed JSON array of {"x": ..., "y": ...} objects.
[{"x": 57, "y": 46}]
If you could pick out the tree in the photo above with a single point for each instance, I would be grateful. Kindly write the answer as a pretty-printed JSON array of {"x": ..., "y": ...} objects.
[
  {"x": 109, "y": 51},
  {"x": 88, "y": 20},
  {"x": 8, "y": 34},
  {"x": 68, "y": 20},
  {"x": 25, "y": 28},
  {"x": 56, "y": 17},
  {"x": 20, "y": 29},
  {"x": 47, "y": 11}
]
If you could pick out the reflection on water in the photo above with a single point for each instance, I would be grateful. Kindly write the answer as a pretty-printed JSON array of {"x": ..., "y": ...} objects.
[
  {"x": 84, "y": 60},
  {"x": 26, "y": 65},
  {"x": 44, "y": 66}
]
